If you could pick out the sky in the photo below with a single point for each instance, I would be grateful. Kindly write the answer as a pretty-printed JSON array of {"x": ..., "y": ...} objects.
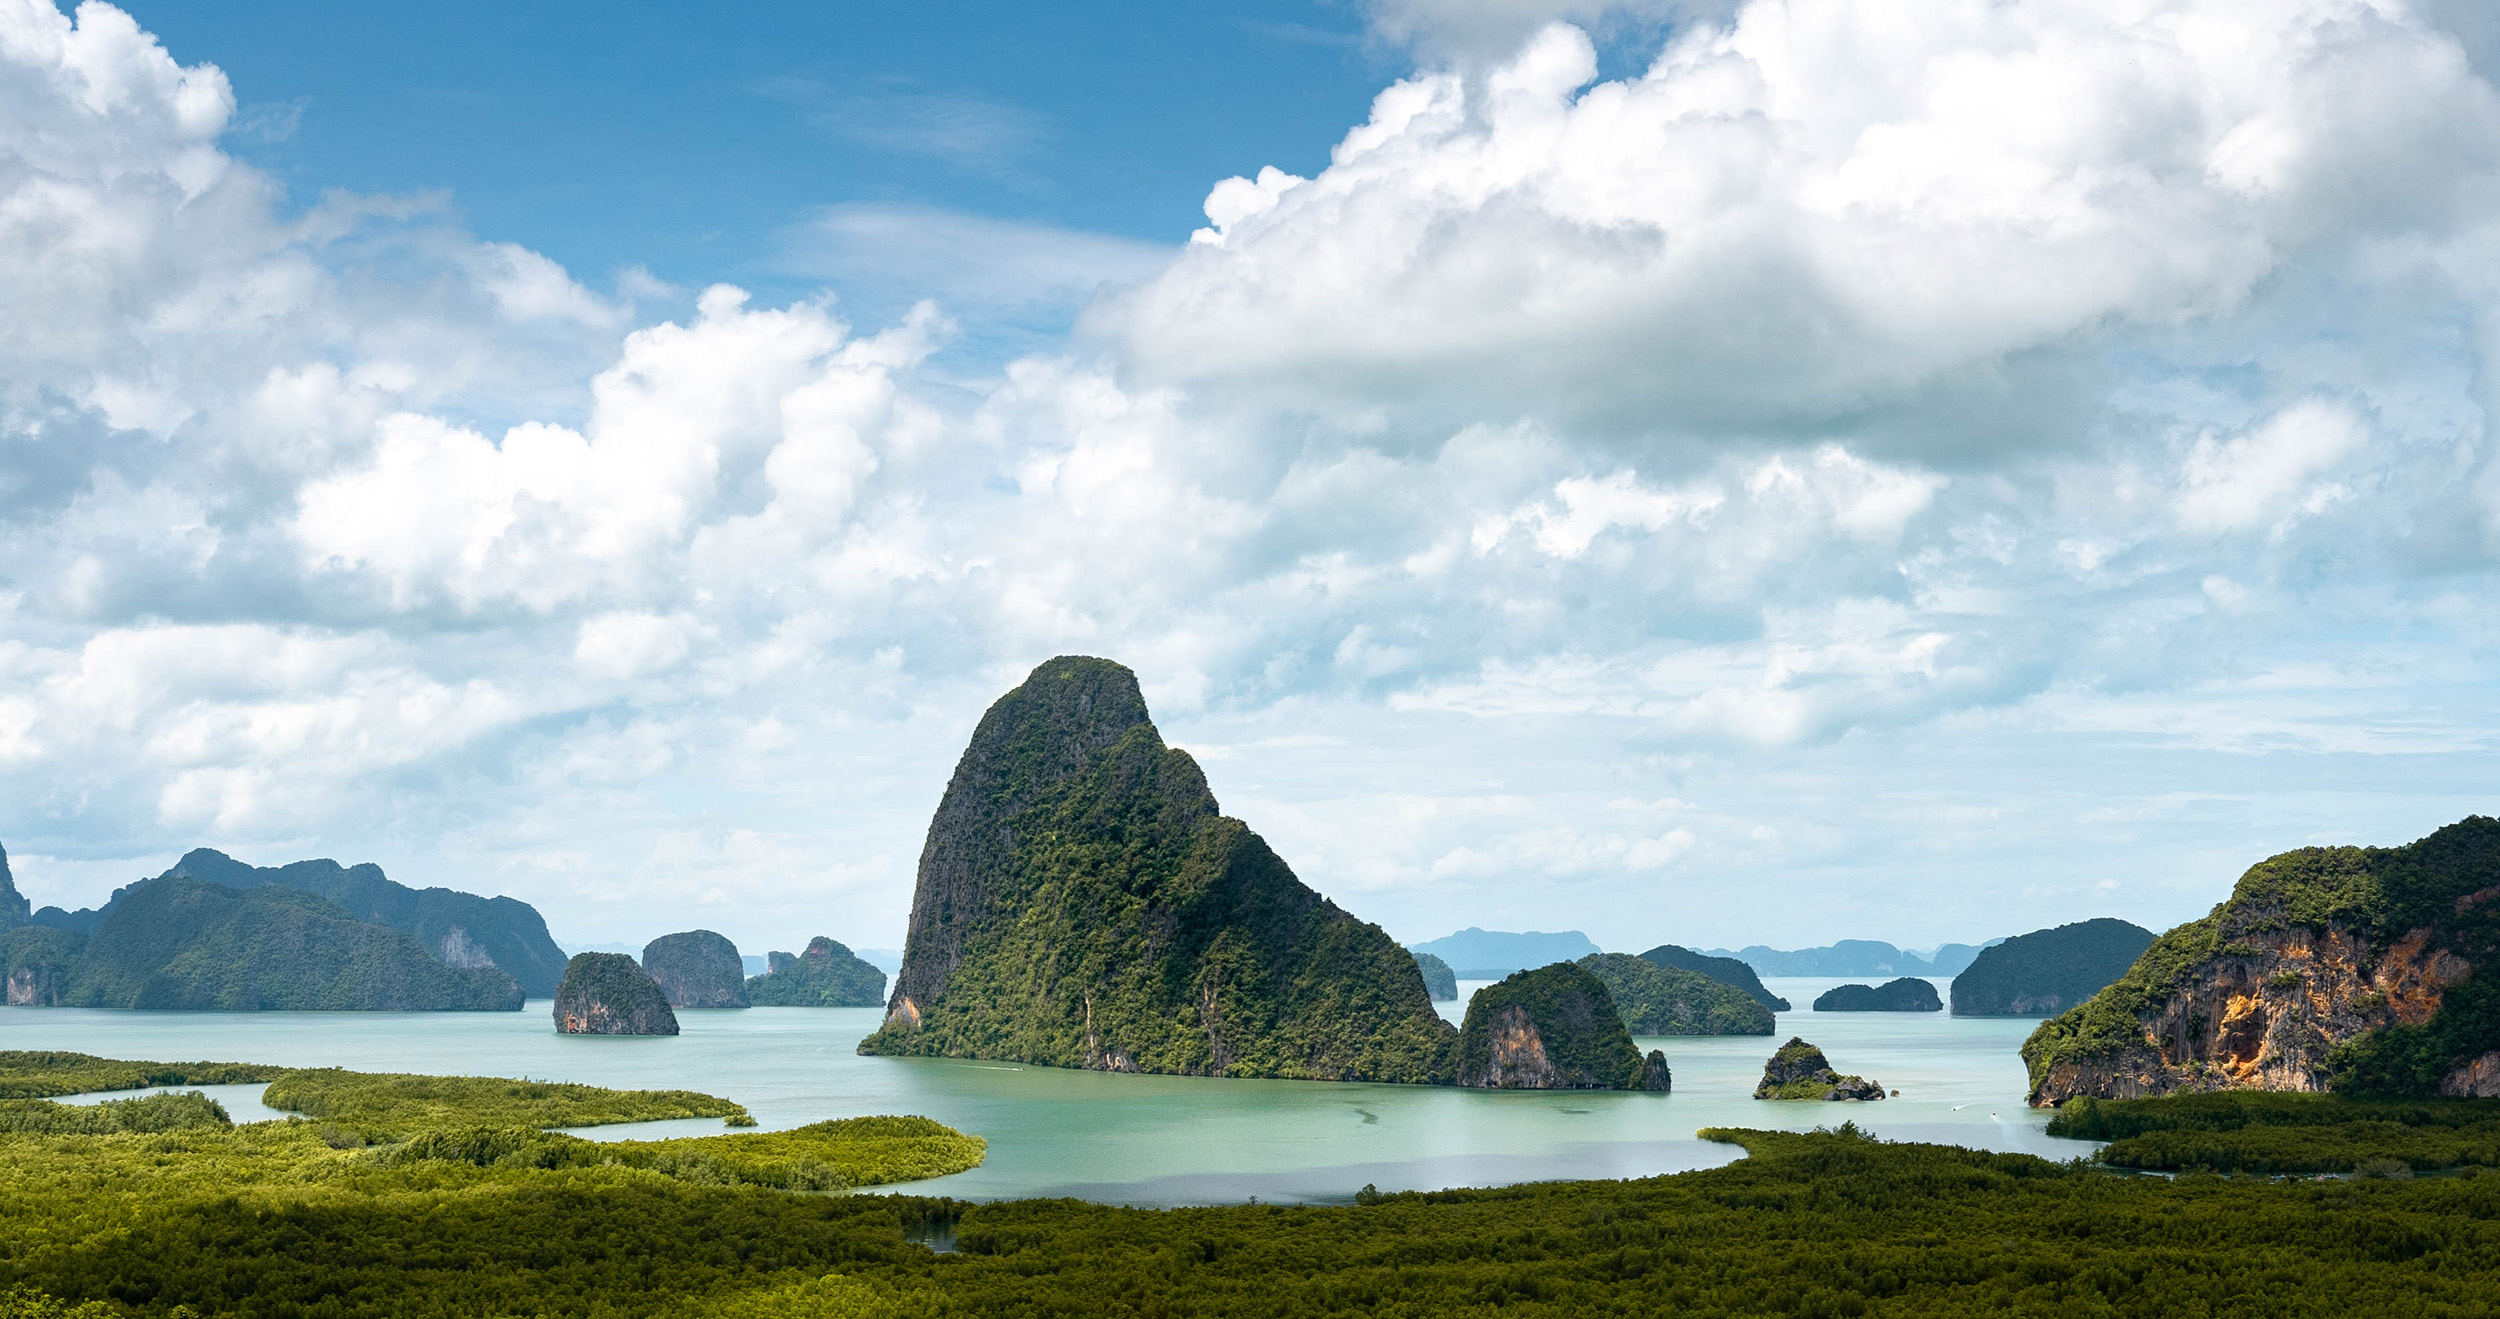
[{"x": 1694, "y": 471}]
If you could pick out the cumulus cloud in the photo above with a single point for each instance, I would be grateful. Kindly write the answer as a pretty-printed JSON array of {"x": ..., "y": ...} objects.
[
  {"x": 1821, "y": 214},
  {"x": 1682, "y": 439}
]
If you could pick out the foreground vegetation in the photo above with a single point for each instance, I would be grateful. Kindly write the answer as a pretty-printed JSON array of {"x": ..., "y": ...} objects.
[
  {"x": 384, "y": 1105},
  {"x": 2272, "y": 1133},
  {"x": 462, "y": 1205},
  {"x": 271, "y": 1220}
]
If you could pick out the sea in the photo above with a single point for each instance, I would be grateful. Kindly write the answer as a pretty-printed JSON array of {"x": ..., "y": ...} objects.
[{"x": 1152, "y": 1140}]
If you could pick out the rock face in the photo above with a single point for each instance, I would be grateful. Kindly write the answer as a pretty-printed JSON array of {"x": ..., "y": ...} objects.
[
  {"x": 2363, "y": 969},
  {"x": 1656, "y": 1000},
  {"x": 827, "y": 975},
  {"x": 176, "y": 943},
  {"x": 696, "y": 969},
  {"x": 1725, "y": 970},
  {"x": 1082, "y": 902},
  {"x": 607, "y": 994},
  {"x": 1554, "y": 1028},
  {"x": 461, "y": 930},
  {"x": 2045, "y": 972},
  {"x": 1906, "y": 994},
  {"x": 1800, "y": 1071},
  {"x": 1439, "y": 980},
  {"x": 37, "y": 964}
]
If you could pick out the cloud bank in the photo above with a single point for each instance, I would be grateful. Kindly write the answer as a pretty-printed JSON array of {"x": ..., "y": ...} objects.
[{"x": 1952, "y": 468}]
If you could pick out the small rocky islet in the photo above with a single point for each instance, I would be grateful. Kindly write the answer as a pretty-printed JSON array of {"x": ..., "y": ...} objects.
[
  {"x": 1800, "y": 1071},
  {"x": 610, "y": 994},
  {"x": 696, "y": 969}
]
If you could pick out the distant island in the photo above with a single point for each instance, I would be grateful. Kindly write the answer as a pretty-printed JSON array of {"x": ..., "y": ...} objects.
[
  {"x": 2043, "y": 973},
  {"x": 1082, "y": 902},
  {"x": 1799, "y": 1070},
  {"x": 609, "y": 994},
  {"x": 1553, "y": 1028},
  {"x": 184, "y": 944},
  {"x": 1725, "y": 970},
  {"x": 1439, "y": 980},
  {"x": 459, "y": 930},
  {"x": 696, "y": 969},
  {"x": 2350, "y": 968},
  {"x": 1856, "y": 957},
  {"x": 824, "y": 975},
  {"x": 1906, "y": 994},
  {"x": 1476, "y": 954},
  {"x": 1657, "y": 1000}
]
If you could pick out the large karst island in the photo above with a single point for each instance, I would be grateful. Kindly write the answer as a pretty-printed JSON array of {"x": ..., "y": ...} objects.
[
  {"x": 2359, "y": 969},
  {"x": 212, "y": 933},
  {"x": 1083, "y": 902},
  {"x": 2045, "y": 972}
]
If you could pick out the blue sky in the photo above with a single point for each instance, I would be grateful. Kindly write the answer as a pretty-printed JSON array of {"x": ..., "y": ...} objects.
[
  {"x": 692, "y": 144},
  {"x": 1719, "y": 471}
]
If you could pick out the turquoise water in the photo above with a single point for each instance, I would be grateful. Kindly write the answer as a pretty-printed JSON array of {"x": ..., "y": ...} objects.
[{"x": 1151, "y": 1140}]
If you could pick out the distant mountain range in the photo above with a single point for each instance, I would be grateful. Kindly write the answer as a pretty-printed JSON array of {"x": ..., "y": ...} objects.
[
  {"x": 1492, "y": 954},
  {"x": 1856, "y": 957}
]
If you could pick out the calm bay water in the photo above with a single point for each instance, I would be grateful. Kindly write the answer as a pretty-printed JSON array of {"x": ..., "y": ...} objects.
[{"x": 1153, "y": 1140}]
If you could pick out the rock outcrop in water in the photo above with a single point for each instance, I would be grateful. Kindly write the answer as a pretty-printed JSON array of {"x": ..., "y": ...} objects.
[
  {"x": 177, "y": 943},
  {"x": 1554, "y": 1028},
  {"x": 827, "y": 975},
  {"x": 1083, "y": 903},
  {"x": 2045, "y": 972},
  {"x": 1906, "y": 994},
  {"x": 1800, "y": 1071},
  {"x": 696, "y": 969},
  {"x": 2364, "y": 969},
  {"x": 608, "y": 994},
  {"x": 1657, "y": 1000},
  {"x": 1725, "y": 970},
  {"x": 1439, "y": 980}
]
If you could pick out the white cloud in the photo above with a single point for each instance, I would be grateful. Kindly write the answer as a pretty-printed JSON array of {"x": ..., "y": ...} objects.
[
  {"x": 1899, "y": 441},
  {"x": 2269, "y": 473},
  {"x": 1822, "y": 214}
]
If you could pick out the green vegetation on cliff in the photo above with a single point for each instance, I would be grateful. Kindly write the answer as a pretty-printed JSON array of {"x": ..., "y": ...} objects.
[
  {"x": 1725, "y": 970},
  {"x": 37, "y": 964},
  {"x": 1657, "y": 1000},
  {"x": 1083, "y": 903},
  {"x": 610, "y": 994},
  {"x": 827, "y": 975},
  {"x": 2045, "y": 972},
  {"x": 458, "y": 929},
  {"x": 269, "y": 1220},
  {"x": 696, "y": 969},
  {"x": 2335, "y": 946},
  {"x": 176, "y": 943},
  {"x": 1439, "y": 980},
  {"x": 1553, "y": 1028},
  {"x": 14, "y": 911}
]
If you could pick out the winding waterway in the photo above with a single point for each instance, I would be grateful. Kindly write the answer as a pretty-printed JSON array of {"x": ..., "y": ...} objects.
[{"x": 1152, "y": 1140}]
